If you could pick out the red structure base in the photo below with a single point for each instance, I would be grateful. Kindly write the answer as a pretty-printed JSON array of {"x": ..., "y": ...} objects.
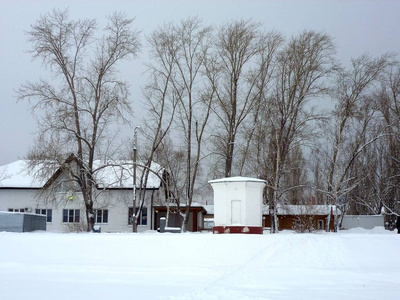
[{"x": 238, "y": 229}]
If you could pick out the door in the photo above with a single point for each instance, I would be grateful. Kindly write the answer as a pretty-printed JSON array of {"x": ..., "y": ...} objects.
[{"x": 236, "y": 212}]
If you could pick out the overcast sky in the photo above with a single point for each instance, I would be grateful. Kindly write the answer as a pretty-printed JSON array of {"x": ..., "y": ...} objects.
[{"x": 357, "y": 27}]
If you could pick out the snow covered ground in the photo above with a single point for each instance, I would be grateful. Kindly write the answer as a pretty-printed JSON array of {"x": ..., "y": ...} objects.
[{"x": 356, "y": 264}]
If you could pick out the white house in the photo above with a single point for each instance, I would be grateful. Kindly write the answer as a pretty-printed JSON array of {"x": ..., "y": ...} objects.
[{"x": 20, "y": 191}]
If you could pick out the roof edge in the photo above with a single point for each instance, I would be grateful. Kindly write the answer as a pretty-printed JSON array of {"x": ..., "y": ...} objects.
[{"x": 237, "y": 179}]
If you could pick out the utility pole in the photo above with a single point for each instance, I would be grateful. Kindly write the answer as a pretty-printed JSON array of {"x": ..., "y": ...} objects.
[{"x": 134, "y": 219}]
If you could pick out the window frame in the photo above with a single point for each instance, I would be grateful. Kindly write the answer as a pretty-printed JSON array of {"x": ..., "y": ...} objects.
[
  {"x": 20, "y": 210},
  {"x": 48, "y": 212},
  {"x": 142, "y": 218},
  {"x": 104, "y": 215},
  {"x": 70, "y": 216}
]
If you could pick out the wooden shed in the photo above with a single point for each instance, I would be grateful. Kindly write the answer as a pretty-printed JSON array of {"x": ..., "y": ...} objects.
[
  {"x": 174, "y": 216},
  {"x": 301, "y": 217}
]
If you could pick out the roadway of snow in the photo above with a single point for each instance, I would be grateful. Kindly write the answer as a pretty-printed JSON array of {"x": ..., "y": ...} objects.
[{"x": 356, "y": 264}]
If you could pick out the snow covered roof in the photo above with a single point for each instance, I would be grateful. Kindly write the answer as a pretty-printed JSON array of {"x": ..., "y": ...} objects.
[
  {"x": 237, "y": 179},
  {"x": 18, "y": 175},
  {"x": 116, "y": 175},
  {"x": 120, "y": 175},
  {"x": 300, "y": 209},
  {"x": 209, "y": 209},
  {"x": 289, "y": 209}
]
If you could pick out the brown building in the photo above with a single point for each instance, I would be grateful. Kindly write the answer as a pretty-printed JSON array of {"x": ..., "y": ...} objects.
[
  {"x": 174, "y": 217},
  {"x": 303, "y": 218}
]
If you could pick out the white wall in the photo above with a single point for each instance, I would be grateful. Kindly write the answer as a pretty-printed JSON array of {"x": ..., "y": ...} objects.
[
  {"x": 17, "y": 198},
  {"x": 366, "y": 222},
  {"x": 117, "y": 202},
  {"x": 237, "y": 202}
]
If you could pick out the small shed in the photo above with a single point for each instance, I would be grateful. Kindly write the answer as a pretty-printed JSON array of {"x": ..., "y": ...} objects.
[
  {"x": 362, "y": 221},
  {"x": 195, "y": 221},
  {"x": 21, "y": 222},
  {"x": 238, "y": 205}
]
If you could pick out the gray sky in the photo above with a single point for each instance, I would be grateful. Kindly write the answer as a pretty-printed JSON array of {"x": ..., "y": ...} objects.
[{"x": 357, "y": 27}]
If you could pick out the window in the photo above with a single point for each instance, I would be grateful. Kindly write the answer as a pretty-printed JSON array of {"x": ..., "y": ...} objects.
[
  {"x": 71, "y": 215},
  {"x": 47, "y": 212},
  {"x": 142, "y": 218},
  {"x": 16, "y": 209},
  {"x": 101, "y": 216}
]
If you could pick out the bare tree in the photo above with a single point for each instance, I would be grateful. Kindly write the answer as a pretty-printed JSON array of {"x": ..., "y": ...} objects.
[
  {"x": 304, "y": 218},
  {"x": 304, "y": 65},
  {"x": 174, "y": 161},
  {"x": 367, "y": 197},
  {"x": 241, "y": 64},
  {"x": 249, "y": 143},
  {"x": 195, "y": 104},
  {"x": 295, "y": 178},
  {"x": 351, "y": 118},
  {"x": 179, "y": 54},
  {"x": 389, "y": 106},
  {"x": 84, "y": 97},
  {"x": 161, "y": 98}
]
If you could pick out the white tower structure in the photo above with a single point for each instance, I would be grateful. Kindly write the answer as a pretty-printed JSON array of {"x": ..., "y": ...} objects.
[{"x": 238, "y": 204}]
